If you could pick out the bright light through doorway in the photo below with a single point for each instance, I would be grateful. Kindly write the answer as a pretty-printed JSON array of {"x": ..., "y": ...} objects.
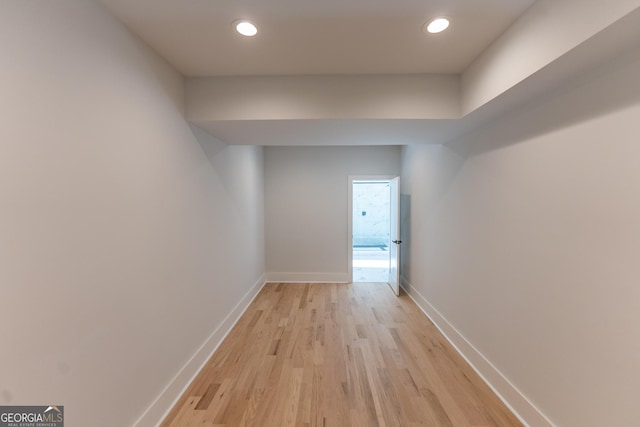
[{"x": 370, "y": 227}]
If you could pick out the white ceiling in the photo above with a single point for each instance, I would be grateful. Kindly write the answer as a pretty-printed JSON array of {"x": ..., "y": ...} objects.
[
  {"x": 516, "y": 60},
  {"x": 317, "y": 36}
]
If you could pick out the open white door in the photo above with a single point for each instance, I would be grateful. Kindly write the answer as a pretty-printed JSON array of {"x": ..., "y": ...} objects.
[{"x": 394, "y": 247}]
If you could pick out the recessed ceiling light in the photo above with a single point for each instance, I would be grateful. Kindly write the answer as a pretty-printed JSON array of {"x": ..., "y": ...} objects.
[
  {"x": 436, "y": 25},
  {"x": 246, "y": 28}
]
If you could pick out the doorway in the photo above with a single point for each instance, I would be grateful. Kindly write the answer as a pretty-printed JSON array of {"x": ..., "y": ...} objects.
[
  {"x": 374, "y": 228},
  {"x": 371, "y": 231}
]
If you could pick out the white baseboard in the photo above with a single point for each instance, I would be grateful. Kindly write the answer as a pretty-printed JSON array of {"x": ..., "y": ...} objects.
[
  {"x": 160, "y": 408},
  {"x": 507, "y": 392},
  {"x": 308, "y": 277}
]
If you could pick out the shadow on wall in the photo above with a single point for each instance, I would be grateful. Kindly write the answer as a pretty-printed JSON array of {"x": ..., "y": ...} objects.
[
  {"x": 217, "y": 153},
  {"x": 429, "y": 171},
  {"x": 237, "y": 167},
  {"x": 211, "y": 146},
  {"x": 605, "y": 89}
]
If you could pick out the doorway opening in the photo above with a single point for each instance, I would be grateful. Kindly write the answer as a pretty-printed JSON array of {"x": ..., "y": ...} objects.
[{"x": 371, "y": 228}]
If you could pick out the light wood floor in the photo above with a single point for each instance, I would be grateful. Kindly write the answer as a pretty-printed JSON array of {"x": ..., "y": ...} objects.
[{"x": 336, "y": 355}]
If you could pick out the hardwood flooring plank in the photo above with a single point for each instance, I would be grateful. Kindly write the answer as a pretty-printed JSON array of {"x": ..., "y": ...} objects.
[
  {"x": 205, "y": 400},
  {"x": 317, "y": 355}
]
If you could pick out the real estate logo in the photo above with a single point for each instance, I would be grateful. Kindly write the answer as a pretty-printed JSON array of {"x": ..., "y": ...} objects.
[{"x": 32, "y": 416}]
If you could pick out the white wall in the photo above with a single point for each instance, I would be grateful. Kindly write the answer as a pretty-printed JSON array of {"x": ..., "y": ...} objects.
[
  {"x": 126, "y": 237},
  {"x": 527, "y": 242},
  {"x": 306, "y": 207}
]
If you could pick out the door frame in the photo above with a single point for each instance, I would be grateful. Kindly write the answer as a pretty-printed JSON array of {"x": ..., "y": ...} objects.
[{"x": 351, "y": 179}]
